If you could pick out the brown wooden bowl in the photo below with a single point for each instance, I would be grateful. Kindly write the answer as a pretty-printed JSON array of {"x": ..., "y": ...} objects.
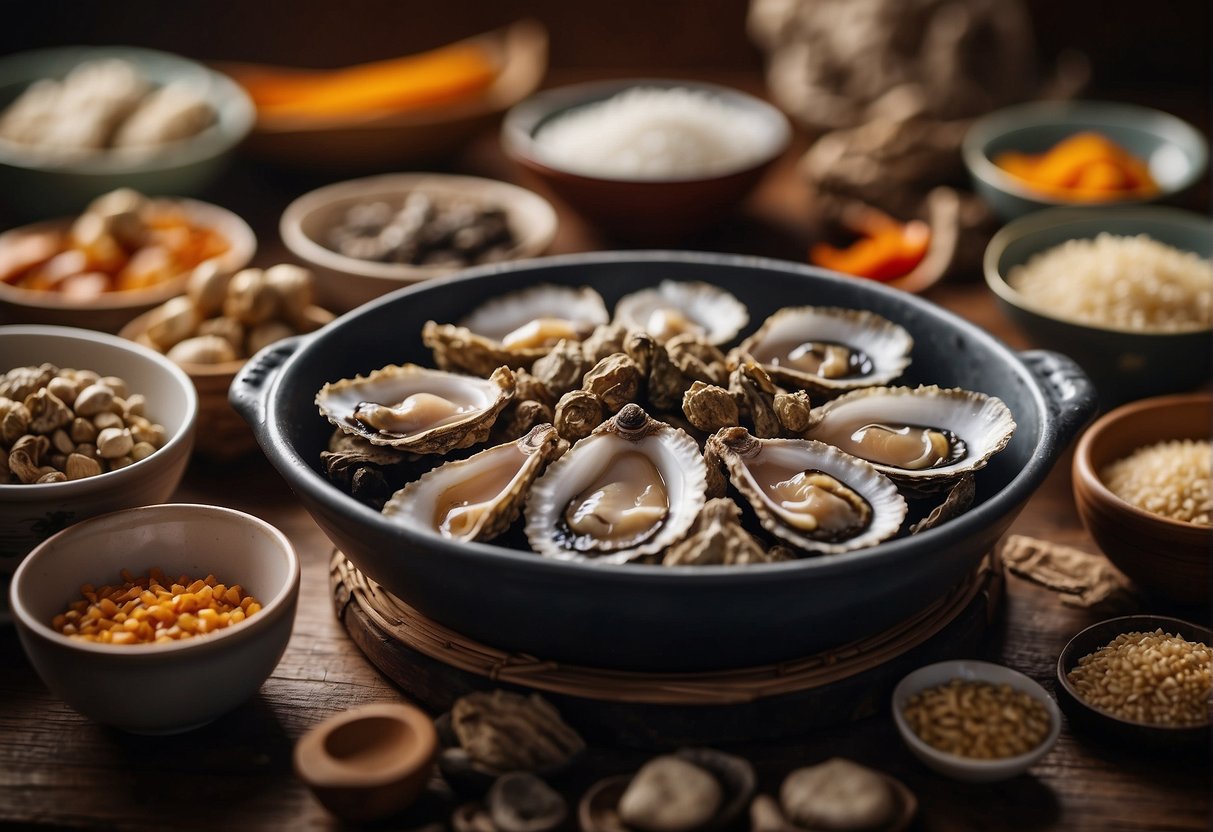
[
  {"x": 1169, "y": 557},
  {"x": 224, "y": 434}
]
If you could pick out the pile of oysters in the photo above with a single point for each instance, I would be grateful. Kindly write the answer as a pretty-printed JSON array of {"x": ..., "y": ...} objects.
[{"x": 637, "y": 438}]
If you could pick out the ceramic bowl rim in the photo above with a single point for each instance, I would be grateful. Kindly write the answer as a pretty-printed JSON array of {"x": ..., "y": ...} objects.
[
  {"x": 271, "y": 609},
  {"x": 235, "y": 113},
  {"x": 993, "y": 125},
  {"x": 242, "y": 247},
  {"x": 28, "y": 492},
  {"x": 300, "y": 244},
  {"x": 523, "y": 119},
  {"x": 975, "y": 670},
  {"x": 1072, "y": 646},
  {"x": 1084, "y": 466},
  {"x": 1042, "y": 221}
]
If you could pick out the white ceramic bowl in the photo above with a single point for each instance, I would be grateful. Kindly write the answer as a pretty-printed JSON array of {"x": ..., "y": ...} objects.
[
  {"x": 159, "y": 688},
  {"x": 345, "y": 282},
  {"x": 967, "y": 768},
  {"x": 31, "y": 513}
]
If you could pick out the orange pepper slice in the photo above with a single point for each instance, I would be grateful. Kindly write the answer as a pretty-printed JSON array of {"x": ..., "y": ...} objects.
[
  {"x": 1084, "y": 167},
  {"x": 888, "y": 251}
]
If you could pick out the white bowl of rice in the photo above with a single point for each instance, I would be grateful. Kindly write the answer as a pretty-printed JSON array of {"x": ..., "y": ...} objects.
[
  {"x": 648, "y": 160},
  {"x": 1127, "y": 293}
]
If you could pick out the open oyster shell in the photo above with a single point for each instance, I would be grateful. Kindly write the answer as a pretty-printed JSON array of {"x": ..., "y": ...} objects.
[
  {"x": 629, "y": 489},
  {"x": 810, "y": 494},
  {"x": 517, "y": 328},
  {"x": 479, "y": 497},
  {"x": 415, "y": 409},
  {"x": 924, "y": 438},
  {"x": 829, "y": 349},
  {"x": 676, "y": 308}
]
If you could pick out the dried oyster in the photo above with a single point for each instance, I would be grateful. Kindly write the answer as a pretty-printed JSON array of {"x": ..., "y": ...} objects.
[
  {"x": 616, "y": 380},
  {"x": 924, "y": 438},
  {"x": 683, "y": 307},
  {"x": 829, "y": 349},
  {"x": 717, "y": 538},
  {"x": 709, "y": 407},
  {"x": 810, "y": 494},
  {"x": 502, "y": 732},
  {"x": 631, "y": 488},
  {"x": 416, "y": 409},
  {"x": 515, "y": 329},
  {"x": 479, "y": 497}
]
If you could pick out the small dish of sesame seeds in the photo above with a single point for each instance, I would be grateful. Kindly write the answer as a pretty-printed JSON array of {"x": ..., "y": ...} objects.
[{"x": 1139, "y": 679}]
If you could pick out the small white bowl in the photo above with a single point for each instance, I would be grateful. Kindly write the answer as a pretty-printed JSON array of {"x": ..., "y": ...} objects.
[
  {"x": 159, "y": 688},
  {"x": 968, "y": 768},
  {"x": 345, "y": 282},
  {"x": 29, "y": 513}
]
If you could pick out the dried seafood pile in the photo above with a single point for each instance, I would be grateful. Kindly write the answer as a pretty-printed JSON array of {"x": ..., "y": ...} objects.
[
  {"x": 888, "y": 89},
  {"x": 637, "y": 439}
]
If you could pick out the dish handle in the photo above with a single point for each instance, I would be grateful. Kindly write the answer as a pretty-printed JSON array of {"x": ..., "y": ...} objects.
[
  {"x": 251, "y": 386},
  {"x": 1069, "y": 392}
]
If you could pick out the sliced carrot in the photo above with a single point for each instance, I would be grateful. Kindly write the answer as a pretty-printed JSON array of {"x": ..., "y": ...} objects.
[
  {"x": 450, "y": 73},
  {"x": 1085, "y": 166},
  {"x": 888, "y": 252}
]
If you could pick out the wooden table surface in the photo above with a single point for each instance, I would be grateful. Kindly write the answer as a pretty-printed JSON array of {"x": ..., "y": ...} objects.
[{"x": 59, "y": 770}]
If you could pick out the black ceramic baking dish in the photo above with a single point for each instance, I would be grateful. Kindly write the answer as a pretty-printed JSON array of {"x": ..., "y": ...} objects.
[{"x": 649, "y": 617}]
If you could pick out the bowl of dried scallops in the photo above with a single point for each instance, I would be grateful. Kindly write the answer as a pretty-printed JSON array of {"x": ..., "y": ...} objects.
[{"x": 661, "y": 460}]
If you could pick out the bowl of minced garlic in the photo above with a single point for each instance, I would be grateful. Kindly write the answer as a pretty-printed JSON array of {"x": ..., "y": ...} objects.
[
  {"x": 1139, "y": 678},
  {"x": 157, "y": 619}
]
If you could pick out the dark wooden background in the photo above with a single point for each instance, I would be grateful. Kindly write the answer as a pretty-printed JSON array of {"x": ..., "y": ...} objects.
[{"x": 1156, "y": 51}]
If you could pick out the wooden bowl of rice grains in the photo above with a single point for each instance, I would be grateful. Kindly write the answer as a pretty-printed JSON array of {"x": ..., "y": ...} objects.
[
  {"x": 646, "y": 160},
  {"x": 1141, "y": 478},
  {"x": 1125, "y": 292},
  {"x": 1143, "y": 680}
]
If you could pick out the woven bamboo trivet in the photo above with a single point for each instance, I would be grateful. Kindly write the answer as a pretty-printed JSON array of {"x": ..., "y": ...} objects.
[{"x": 396, "y": 626}]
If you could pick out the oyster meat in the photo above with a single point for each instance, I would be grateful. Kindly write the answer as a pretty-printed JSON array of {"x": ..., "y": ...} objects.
[
  {"x": 517, "y": 328},
  {"x": 479, "y": 497},
  {"x": 829, "y": 349},
  {"x": 415, "y": 409},
  {"x": 924, "y": 438},
  {"x": 810, "y": 494},
  {"x": 630, "y": 488},
  {"x": 683, "y": 307}
]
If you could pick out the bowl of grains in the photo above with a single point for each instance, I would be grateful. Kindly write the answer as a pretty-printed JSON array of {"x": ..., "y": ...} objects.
[
  {"x": 1140, "y": 679},
  {"x": 646, "y": 160},
  {"x": 1141, "y": 476},
  {"x": 366, "y": 237},
  {"x": 132, "y": 617},
  {"x": 975, "y": 721},
  {"x": 89, "y": 423},
  {"x": 1127, "y": 293}
]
